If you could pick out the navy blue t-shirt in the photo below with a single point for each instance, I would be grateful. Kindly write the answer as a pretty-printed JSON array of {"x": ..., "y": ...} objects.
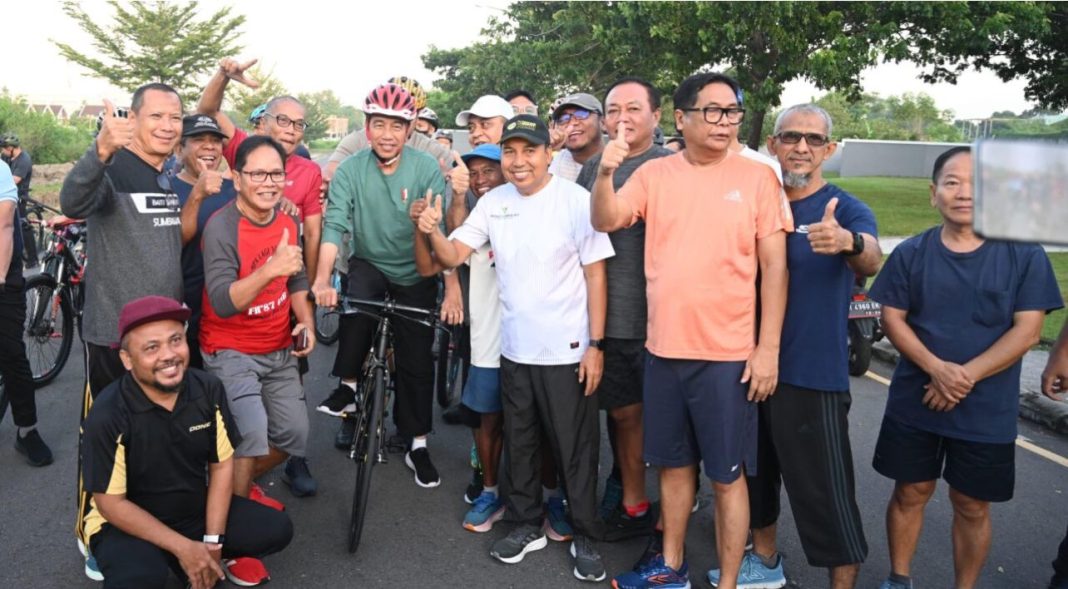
[
  {"x": 814, "y": 352},
  {"x": 959, "y": 304},
  {"x": 192, "y": 258}
]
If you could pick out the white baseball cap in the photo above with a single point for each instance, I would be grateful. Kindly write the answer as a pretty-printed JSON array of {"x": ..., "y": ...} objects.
[{"x": 487, "y": 107}]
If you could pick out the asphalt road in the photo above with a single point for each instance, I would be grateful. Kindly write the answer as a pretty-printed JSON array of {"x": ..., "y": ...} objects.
[{"x": 414, "y": 538}]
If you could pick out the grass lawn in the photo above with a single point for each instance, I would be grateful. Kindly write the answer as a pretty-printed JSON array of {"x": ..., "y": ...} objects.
[
  {"x": 1055, "y": 320},
  {"x": 902, "y": 206},
  {"x": 47, "y": 193}
]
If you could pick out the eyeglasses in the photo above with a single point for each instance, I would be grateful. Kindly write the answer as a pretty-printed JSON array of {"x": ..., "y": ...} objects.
[
  {"x": 812, "y": 139},
  {"x": 261, "y": 176},
  {"x": 525, "y": 110},
  {"x": 579, "y": 114},
  {"x": 284, "y": 121},
  {"x": 715, "y": 114}
]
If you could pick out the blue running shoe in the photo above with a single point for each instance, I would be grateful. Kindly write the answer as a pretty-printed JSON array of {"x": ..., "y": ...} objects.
[
  {"x": 92, "y": 570},
  {"x": 656, "y": 574},
  {"x": 754, "y": 575},
  {"x": 556, "y": 526},
  {"x": 891, "y": 584},
  {"x": 487, "y": 510}
]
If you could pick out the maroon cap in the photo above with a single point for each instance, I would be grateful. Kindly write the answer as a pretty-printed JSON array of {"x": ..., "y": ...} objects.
[{"x": 148, "y": 309}]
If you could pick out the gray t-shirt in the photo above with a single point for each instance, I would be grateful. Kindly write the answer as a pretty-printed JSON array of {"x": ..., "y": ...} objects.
[{"x": 627, "y": 307}]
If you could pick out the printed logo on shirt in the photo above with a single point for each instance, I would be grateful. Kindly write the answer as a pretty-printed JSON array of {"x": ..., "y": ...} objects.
[
  {"x": 733, "y": 196},
  {"x": 802, "y": 229},
  {"x": 503, "y": 214},
  {"x": 267, "y": 307},
  {"x": 148, "y": 203},
  {"x": 197, "y": 428}
]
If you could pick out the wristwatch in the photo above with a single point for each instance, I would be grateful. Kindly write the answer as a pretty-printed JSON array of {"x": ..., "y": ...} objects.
[
  {"x": 214, "y": 539},
  {"x": 858, "y": 245},
  {"x": 597, "y": 343}
]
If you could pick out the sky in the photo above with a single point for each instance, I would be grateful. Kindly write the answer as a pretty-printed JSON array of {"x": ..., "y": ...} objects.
[{"x": 343, "y": 47}]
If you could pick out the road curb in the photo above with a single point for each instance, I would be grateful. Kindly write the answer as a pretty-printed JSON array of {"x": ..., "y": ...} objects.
[{"x": 1034, "y": 406}]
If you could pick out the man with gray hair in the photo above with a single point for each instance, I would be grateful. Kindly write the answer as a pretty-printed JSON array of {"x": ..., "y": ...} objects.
[{"x": 804, "y": 428}]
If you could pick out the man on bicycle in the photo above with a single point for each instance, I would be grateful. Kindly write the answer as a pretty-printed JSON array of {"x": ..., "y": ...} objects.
[
  {"x": 253, "y": 277},
  {"x": 14, "y": 366},
  {"x": 22, "y": 171},
  {"x": 369, "y": 198}
]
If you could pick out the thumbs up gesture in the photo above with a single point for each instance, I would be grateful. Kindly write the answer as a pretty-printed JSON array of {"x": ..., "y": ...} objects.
[
  {"x": 828, "y": 237},
  {"x": 430, "y": 219},
  {"x": 418, "y": 206},
  {"x": 287, "y": 259},
  {"x": 615, "y": 152},
  {"x": 208, "y": 183},
  {"x": 460, "y": 176},
  {"x": 115, "y": 133}
]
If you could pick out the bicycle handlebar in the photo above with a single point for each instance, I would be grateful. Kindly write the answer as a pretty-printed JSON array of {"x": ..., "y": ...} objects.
[
  {"x": 350, "y": 306},
  {"x": 36, "y": 203}
]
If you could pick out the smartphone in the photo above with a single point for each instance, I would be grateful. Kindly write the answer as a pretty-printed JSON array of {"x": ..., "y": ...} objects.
[
  {"x": 1021, "y": 191},
  {"x": 300, "y": 341}
]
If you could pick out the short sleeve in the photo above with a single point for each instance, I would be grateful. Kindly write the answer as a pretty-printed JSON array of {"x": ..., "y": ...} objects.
[
  {"x": 593, "y": 245},
  {"x": 856, "y": 216},
  {"x": 474, "y": 233},
  {"x": 230, "y": 150},
  {"x": 891, "y": 286},
  {"x": 773, "y": 210},
  {"x": 636, "y": 193},
  {"x": 8, "y": 190},
  {"x": 103, "y": 454},
  {"x": 21, "y": 166},
  {"x": 1038, "y": 288},
  {"x": 312, "y": 206}
]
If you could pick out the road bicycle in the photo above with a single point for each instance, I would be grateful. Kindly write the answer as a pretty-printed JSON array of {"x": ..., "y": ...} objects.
[
  {"x": 373, "y": 395},
  {"x": 54, "y": 301}
]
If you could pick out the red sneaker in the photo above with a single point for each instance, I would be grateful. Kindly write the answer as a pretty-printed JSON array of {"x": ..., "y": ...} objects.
[
  {"x": 246, "y": 572},
  {"x": 256, "y": 494}
]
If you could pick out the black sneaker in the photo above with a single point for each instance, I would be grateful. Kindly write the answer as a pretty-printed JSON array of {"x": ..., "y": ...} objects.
[
  {"x": 588, "y": 565},
  {"x": 33, "y": 448},
  {"x": 474, "y": 488},
  {"x": 654, "y": 548},
  {"x": 426, "y": 475},
  {"x": 620, "y": 526},
  {"x": 340, "y": 402},
  {"x": 524, "y": 539},
  {"x": 299, "y": 477},
  {"x": 345, "y": 433}
]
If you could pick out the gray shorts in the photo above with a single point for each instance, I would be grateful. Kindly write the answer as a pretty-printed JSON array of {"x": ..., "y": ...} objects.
[{"x": 266, "y": 400}]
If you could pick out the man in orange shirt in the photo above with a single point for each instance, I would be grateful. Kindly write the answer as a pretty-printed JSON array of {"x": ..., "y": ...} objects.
[{"x": 713, "y": 218}]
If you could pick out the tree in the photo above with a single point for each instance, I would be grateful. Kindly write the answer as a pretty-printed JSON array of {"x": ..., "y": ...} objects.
[
  {"x": 244, "y": 100},
  {"x": 158, "y": 41},
  {"x": 553, "y": 47}
]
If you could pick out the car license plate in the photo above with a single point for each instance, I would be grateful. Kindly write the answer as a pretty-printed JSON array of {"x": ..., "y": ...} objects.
[{"x": 864, "y": 309}]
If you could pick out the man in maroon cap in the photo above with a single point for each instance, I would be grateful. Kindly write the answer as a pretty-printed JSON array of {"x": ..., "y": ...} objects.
[{"x": 149, "y": 440}]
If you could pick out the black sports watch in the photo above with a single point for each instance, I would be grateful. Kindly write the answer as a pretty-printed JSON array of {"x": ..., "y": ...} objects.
[
  {"x": 597, "y": 343},
  {"x": 858, "y": 245}
]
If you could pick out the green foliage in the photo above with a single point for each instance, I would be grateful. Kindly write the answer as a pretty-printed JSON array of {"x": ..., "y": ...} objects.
[
  {"x": 909, "y": 117},
  {"x": 157, "y": 41},
  {"x": 244, "y": 100},
  {"x": 1051, "y": 327},
  {"x": 47, "y": 140},
  {"x": 902, "y": 206}
]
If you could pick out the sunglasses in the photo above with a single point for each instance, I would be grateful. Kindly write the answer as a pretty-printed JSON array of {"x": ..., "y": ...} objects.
[
  {"x": 580, "y": 114},
  {"x": 812, "y": 139}
]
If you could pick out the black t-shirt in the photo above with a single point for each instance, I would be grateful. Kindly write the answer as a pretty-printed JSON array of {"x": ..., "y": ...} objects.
[
  {"x": 22, "y": 166},
  {"x": 157, "y": 458}
]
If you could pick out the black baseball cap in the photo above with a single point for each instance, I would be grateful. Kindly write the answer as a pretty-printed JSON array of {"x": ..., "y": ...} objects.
[
  {"x": 528, "y": 127},
  {"x": 200, "y": 124}
]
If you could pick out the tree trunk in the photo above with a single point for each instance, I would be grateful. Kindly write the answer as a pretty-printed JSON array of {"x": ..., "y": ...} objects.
[{"x": 756, "y": 128}]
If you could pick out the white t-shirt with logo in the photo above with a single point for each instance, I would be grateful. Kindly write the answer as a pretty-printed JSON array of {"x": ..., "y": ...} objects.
[
  {"x": 485, "y": 311},
  {"x": 540, "y": 244},
  {"x": 565, "y": 166}
]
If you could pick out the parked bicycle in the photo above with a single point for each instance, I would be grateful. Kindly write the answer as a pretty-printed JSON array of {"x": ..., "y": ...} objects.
[
  {"x": 54, "y": 300},
  {"x": 36, "y": 226},
  {"x": 373, "y": 395}
]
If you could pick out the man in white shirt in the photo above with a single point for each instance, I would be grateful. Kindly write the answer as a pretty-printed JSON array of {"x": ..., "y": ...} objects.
[{"x": 550, "y": 270}]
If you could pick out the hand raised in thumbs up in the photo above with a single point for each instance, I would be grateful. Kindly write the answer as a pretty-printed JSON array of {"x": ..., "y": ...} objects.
[
  {"x": 418, "y": 206},
  {"x": 828, "y": 237},
  {"x": 115, "y": 133},
  {"x": 287, "y": 259},
  {"x": 430, "y": 219},
  {"x": 615, "y": 152},
  {"x": 460, "y": 176}
]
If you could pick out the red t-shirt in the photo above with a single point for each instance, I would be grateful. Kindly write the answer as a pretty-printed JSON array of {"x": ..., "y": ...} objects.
[
  {"x": 303, "y": 178},
  {"x": 235, "y": 247}
]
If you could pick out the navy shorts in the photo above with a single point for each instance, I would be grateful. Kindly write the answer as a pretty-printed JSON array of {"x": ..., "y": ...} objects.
[
  {"x": 982, "y": 471},
  {"x": 482, "y": 390},
  {"x": 697, "y": 410}
]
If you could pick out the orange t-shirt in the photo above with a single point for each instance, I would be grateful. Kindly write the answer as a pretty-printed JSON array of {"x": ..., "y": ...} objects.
[{"x": 702, "y": 226}]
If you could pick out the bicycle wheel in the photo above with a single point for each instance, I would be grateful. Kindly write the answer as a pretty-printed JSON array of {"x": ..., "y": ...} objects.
[
  {"x": 49, "y": 330},
  {"x": 454, "y": 372},
  {"x": 369, "y": 430},
  {"x": 327, "y": 326}
]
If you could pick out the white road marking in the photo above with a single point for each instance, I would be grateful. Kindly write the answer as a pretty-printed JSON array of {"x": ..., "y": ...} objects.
[{"x": 877, "y": 378}]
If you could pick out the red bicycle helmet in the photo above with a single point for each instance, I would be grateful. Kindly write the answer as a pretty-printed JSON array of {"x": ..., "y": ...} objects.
[{"x": 390, "y": 100}]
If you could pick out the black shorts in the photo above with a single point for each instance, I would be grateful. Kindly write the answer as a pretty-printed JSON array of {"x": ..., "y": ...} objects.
[
  {"x": 980, "y": 470},
  {"x": 624, "y": 365},
  {"x": 803, "y": 443}
]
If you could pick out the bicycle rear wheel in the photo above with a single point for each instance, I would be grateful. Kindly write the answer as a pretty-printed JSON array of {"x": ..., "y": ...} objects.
[
  {"x": 369, "y": 430},
  {"x": 49, "y": 331}
]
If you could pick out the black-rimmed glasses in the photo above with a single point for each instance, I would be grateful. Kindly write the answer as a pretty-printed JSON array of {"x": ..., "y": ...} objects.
[
  {"x": 284, "y": 121},
  {"x": 812, "y": 139},
  {"x": 715, "y": 114},
  {"x": 261, "y": 176}
]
